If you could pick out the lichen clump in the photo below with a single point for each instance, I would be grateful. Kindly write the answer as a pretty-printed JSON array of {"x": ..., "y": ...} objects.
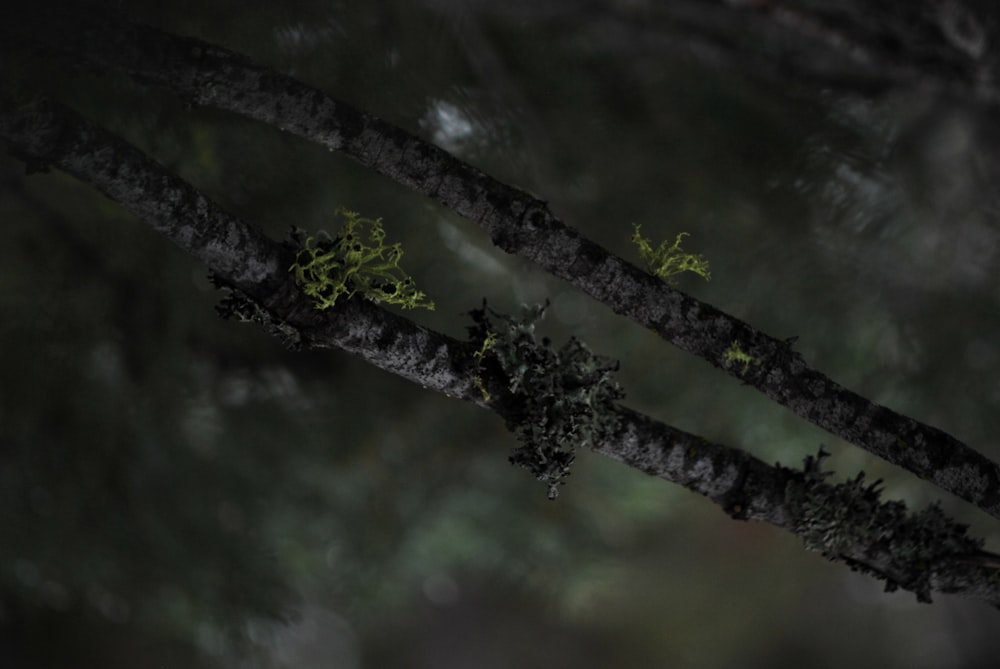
[
  {"x": 667, "y": 261},
  {"x": 356, "y": 261},
  {"x": 849, "y": 521},
  {"x": 563, "y": 399}
]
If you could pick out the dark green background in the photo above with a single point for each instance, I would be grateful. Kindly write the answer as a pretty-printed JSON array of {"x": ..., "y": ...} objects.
[{"x": 170, "y": 483}]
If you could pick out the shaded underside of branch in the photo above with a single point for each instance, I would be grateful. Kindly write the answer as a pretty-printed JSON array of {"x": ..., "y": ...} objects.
[{"x": 921, "y": 552}]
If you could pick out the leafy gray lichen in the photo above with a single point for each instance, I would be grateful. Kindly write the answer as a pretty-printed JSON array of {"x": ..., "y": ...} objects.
[
  {"x": 849, "y": 520},
  {"x": 561, "y": 399}
]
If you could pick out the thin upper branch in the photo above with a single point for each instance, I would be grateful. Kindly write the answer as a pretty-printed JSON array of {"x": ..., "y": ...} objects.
[
  {"x": 922, "y": 552},
  {"x": 521, "y": 224}
]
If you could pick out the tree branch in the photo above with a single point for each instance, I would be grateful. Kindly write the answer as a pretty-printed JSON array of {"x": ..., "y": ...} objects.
[
  {"x": 922, "y": 552},
  {"x": 521, "y": 224}
]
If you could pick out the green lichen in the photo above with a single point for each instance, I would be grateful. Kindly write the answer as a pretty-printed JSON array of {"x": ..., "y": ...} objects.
[
  {"x": 488, "y": 342},
  {"x": 561, "y": 400},
  {"x": 736, "y": 355},
  {"x": 667, "y": 261},
  {"x": 356, "y": 261}
]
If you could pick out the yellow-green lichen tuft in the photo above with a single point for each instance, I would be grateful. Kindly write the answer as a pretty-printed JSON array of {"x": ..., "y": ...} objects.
[
  {"x": 667, "y": 261},
  {"x": 736, "y": 355},
  {"x": 356, "y": 261},
  {"x": 488, "y": 342}
]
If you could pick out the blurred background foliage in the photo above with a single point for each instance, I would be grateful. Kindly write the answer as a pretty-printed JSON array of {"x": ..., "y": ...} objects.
[{"x": 178, "y": 489}]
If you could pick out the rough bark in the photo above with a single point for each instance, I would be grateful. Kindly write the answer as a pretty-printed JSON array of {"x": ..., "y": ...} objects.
[
  {"x": 519, "y": 223},
  {"x": 923, "y": 552}
]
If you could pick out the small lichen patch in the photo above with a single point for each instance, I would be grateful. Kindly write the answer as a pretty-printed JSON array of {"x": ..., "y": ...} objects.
[
  {"x": 667, "y": 261},
  {"x": 356, "y": 261},
  {"x": 736, "y": 355},
  {"x": 563, "y": 398},
  {"x": 488, "y": 342}
]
